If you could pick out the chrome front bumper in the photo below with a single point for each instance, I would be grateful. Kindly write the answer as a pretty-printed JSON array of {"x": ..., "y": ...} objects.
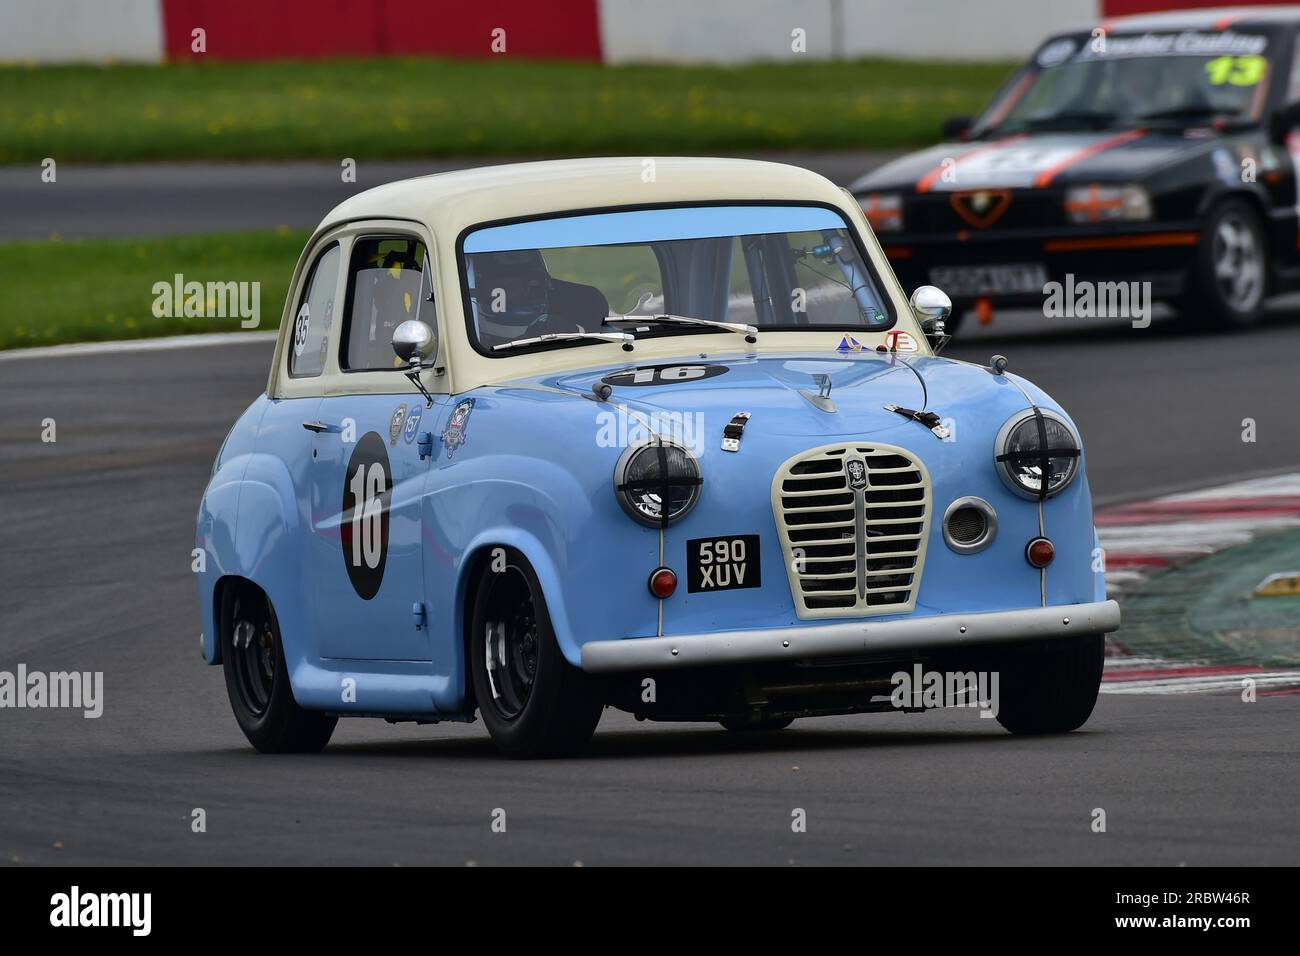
[{"x": 846, "y": 640}]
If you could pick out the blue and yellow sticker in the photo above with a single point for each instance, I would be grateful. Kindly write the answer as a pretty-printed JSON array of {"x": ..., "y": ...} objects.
[{"x": 413, "y": 423}]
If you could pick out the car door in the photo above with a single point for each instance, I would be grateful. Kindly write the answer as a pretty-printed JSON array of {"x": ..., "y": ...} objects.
[
  {"x": 368, "y": 479},
  {"x": 283, "y": 434}
]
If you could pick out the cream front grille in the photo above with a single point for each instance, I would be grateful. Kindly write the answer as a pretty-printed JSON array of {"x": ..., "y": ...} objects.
[{"x": 853, "y": 547}]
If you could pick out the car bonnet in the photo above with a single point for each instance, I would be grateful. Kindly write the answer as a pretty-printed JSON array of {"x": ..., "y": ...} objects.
[{"x": 783, "y": 390}]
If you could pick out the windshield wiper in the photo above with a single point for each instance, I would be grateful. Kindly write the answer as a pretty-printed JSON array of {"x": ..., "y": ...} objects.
[
  {"x": 750, "y": 332},
  {"x": 625, "y": 337},
  {"x": 1093, "y": 118},
  {"x": 1187, "y": 112}
]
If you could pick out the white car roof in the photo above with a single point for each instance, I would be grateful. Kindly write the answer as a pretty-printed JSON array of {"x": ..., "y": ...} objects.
[{"x": 450, "y": 202}]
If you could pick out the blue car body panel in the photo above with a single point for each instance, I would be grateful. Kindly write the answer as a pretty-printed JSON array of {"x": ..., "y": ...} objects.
[{"x": 530, "y": 464}]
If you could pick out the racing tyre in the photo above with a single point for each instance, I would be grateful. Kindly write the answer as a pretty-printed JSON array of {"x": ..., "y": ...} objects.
[
  {"x": 533, "y": 701},
  {"x": 1050, "y": 688},
  {"x": 1230, "y": 276},
  {"x": 257, "y": 679}
]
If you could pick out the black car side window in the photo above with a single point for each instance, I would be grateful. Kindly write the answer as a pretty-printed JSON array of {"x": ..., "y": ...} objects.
[{"x": 389, "y": 283}]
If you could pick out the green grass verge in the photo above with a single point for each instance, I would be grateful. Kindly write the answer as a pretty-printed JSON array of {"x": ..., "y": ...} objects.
[
  {"x": 409, "y": 108},
  {"x": 93, "y": 290}
]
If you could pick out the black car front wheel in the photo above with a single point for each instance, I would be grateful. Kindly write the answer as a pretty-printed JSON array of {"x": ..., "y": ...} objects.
[
  {"x": 257, "y": 678},
  {"x": 1049, "y": 687},
  {"x": 533, "y": 701},
  {"x": 1229, "y": 280}
]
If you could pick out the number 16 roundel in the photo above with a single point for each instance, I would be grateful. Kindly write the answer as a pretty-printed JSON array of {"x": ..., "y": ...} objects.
[{"x": 367, "y": 493}]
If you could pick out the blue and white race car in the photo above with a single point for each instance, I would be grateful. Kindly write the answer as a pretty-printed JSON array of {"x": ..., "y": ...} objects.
[{"x": 664, "y": 435}]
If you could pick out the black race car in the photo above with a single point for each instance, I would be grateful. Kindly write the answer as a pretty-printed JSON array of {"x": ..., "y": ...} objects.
[{"x": 1155, "y": 149}]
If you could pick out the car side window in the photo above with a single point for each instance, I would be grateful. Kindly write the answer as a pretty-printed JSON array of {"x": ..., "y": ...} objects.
[
  {"x": 311, "y": 324},
  {"x": 390, "y": 281}
]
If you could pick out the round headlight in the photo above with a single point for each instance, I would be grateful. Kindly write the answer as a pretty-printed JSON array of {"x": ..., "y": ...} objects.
[
  {"x": 657, "y": 483},
  {"x": 1037, "y": 454}
]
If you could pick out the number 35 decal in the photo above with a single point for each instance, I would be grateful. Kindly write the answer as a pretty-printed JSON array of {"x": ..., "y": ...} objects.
[{"x": 367, "y": 494}]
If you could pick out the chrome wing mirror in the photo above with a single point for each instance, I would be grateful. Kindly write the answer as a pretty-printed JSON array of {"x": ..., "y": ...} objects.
[
  {"x": 413, "y": 342},
  {"x": 931, "y": 307}
]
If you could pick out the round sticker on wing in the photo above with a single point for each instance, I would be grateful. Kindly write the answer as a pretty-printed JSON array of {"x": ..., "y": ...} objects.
[
  {"x": 663, "y": 374},
  {"x": 367, "y": 495},
  {"x": 300, "y": 327}
]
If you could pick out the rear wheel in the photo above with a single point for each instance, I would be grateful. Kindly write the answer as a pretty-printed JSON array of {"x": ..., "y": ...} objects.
[
  {"x": 533, "y": 701},
  {"x": 1050, "y": 688},
  {"x": 257, "y": 679},
  {"x": 1230, "y": 276}
]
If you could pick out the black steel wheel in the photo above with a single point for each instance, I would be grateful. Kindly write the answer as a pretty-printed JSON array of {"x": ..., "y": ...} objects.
[
  {"x": 253, "y": 656},
  {"x": 510, "y": 642},
  {"x": 533, "y": 701},
  {"x": 257, "y": 678}
]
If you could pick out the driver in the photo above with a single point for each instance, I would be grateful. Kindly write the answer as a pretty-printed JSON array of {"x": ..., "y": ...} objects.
[{"x": 510, "y": 293}]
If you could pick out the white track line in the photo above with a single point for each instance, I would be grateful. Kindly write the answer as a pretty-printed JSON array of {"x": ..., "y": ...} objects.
[
  {"x": 1147, "y": 663},
  {"x": 138, "y": 345},
  {"x": 1202, "y": 683},
  {"x": 1288, "y": 484},
  {"x": 1179, "y": 539}
]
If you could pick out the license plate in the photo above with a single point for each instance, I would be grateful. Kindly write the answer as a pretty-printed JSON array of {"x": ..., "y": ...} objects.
[
  {"x": 723, "y": 564},
  {"x": 989, "y": 280}
]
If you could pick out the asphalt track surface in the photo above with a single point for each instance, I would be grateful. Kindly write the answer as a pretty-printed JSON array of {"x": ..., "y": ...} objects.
[
  {"x": 174, "y": 198},
  {"x": 95, "y": 534}
]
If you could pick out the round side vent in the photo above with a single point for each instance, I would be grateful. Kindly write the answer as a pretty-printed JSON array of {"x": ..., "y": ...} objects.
[{"x": 969, "y": 525}]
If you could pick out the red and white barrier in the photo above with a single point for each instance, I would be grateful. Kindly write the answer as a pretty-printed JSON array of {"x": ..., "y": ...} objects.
[{"x": 609, "y": 31}]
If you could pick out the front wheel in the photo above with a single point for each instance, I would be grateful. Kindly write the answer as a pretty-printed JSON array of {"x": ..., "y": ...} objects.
[
  {"x": 533, "y": 701},
  {"x": 1050, "y": 688}
]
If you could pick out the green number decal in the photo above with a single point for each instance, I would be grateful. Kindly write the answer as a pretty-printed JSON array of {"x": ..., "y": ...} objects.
[{"x": 1236, "y": 70}]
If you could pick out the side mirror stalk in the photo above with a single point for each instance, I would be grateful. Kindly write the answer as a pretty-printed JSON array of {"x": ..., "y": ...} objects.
[{"x": 931, "y": 306}]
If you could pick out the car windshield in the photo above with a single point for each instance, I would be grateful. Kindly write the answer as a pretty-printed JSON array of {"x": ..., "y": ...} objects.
[
  {"x": 767, "y": 266},
  {"x": 1085, "y": 82}
]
